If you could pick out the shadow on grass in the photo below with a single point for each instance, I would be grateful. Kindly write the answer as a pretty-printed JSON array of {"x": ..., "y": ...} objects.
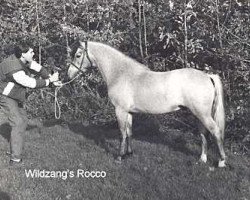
[
  {"x": 145, "y": 128},
  {"x": 5, "y": 130},
  {"x": 99, "y": 134},
  {"x": 52, "y": 122},
  {"x": 4, "y": 195}
]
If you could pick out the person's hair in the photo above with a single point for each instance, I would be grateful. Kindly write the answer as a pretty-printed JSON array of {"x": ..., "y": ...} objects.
[{"x": 21, "y": 48}]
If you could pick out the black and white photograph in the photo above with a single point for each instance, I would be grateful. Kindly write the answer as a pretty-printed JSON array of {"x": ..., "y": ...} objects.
[{"x": 125, "y": 99}]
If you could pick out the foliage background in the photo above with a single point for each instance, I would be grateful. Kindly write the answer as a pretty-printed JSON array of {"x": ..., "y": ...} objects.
[{"x": 209, "y": 35}]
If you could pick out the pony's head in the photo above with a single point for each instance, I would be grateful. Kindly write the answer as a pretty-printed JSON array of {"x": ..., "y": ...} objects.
[{"x": 80, "y": 59}]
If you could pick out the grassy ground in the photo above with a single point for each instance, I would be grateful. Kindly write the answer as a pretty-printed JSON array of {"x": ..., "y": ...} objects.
[{"x": 163, "y": 166}]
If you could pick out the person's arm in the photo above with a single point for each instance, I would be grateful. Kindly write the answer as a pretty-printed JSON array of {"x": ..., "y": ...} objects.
[
  {"x": 39, "y": 69},
  {"x": 23, "y": 79}
]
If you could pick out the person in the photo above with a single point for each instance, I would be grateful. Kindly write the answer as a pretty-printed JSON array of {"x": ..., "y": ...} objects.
[{"x": 16, "y": 74}]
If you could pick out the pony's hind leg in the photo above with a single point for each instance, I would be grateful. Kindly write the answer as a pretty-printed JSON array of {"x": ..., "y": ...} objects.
[
  {"x": 203, "y": 157},
  {"x": 125, "y": 124},
  {"x": 203, "y": 133},
  {"x": 212, "y": 127}
]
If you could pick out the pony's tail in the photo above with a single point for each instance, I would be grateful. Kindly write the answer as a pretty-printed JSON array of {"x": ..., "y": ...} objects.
[{"x": 218, "y": 112}]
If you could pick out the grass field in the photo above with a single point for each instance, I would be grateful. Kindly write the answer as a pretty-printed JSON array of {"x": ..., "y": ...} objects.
[{"x": 163, "y": 166}]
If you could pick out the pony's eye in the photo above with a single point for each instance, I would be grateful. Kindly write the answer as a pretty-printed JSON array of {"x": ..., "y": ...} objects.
[{"x": 78, "y": 56}]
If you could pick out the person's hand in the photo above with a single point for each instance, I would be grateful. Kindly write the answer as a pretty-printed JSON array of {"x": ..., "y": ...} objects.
[
  {"x": 58, "y": 83},
  {"x": 54, "y": 77}
]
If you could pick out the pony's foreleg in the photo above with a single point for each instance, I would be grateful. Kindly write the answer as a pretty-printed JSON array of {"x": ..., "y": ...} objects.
[
  {"x": 129, "y": 134},
  {"x": 125, "y": 124}
]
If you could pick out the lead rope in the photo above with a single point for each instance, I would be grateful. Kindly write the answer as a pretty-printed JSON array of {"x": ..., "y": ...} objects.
[{"x": 57, "y": 107}]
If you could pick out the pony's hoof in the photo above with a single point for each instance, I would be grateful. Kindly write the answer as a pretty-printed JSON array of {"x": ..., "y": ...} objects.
[
  {"x": 222, "y": 163},
  {"x": 203, "y": 159},
  {"x": 200, "y": 162},
  {"x": 129, "y": 153},
  {"x": 118, "y": 160},
  {"x": 123, "y": 157}
]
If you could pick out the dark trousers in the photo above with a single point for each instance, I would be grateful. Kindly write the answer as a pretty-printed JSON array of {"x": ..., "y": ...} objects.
[{"x": 17, "y": 118}]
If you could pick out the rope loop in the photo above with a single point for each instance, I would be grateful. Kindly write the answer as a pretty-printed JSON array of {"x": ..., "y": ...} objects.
[{"x": 57, "y": 107}]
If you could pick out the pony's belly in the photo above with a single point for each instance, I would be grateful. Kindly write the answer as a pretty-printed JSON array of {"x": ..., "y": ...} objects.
[
  {"x": 144, "y": 105},
  {"x": 155, "y": 110},
  {"x": 155, "y": 106}
]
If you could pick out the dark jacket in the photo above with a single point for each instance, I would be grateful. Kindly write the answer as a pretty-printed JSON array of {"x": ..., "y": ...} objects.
[{"x": 9, "y": 86}]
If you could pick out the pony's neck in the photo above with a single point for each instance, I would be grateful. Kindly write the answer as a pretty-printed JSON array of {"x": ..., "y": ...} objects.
[{"x": 112, "y": 63}]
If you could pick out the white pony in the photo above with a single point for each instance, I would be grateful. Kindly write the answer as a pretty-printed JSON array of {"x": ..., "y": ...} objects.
[{"x": 133, "y": 88}]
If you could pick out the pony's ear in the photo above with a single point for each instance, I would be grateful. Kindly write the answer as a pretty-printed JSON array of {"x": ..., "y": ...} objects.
[
  {"x": 82, "y": 44},
  {"x": 74, "y": 47}
]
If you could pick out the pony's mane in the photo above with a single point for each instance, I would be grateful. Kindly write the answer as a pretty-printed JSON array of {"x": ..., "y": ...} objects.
[{"x": 118, "y": 53}]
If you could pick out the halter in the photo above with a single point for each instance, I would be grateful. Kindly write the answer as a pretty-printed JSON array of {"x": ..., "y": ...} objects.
[{"x": 86, "y": 52}]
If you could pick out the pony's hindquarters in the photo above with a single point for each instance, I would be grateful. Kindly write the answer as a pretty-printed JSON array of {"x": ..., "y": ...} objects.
[
  {"x": 208, "y": 106},
  {"x": 218, "y": 112}
]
